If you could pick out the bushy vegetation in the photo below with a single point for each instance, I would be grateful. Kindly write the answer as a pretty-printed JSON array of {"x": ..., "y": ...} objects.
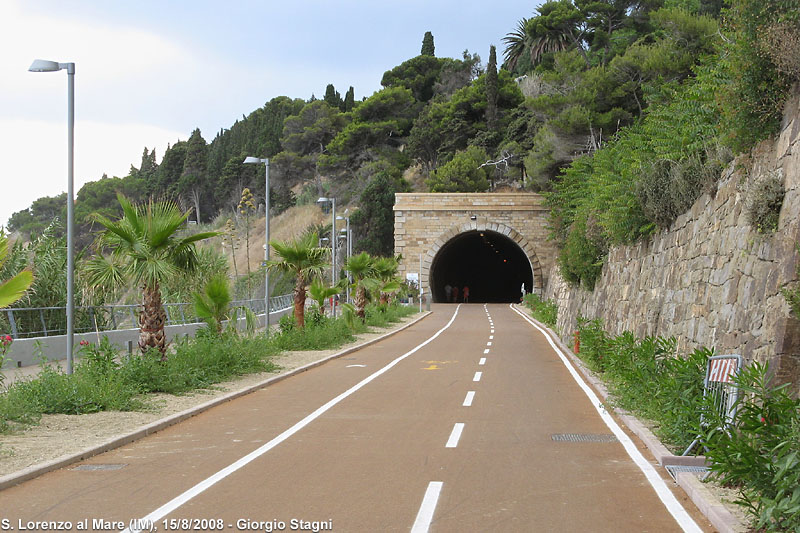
[
  {"x": 545, "y": 311},
  {"x": 103, "y": 380},
  {"x": 758, "y": 452}
]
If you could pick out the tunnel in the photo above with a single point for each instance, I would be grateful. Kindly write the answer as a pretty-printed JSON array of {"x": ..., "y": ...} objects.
[{"x": 493, "y": 266}]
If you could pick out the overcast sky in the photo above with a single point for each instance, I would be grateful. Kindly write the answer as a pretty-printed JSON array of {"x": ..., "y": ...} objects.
[{"x": 148, "y": 72}]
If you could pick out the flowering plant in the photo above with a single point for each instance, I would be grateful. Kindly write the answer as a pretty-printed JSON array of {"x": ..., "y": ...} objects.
[{"x": 5, "y": 342}]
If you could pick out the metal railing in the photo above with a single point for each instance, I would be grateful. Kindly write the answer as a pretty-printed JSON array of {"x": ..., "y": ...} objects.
[{"x": 30, "y": 322}]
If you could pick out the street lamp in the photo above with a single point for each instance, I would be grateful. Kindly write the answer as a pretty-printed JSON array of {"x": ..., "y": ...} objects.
[
  {"x": 322, "y": 200},
  {"x": 258, "y": 161},
  {"x": 348, "y": 250},
  {"x": 41, "y": 65}
]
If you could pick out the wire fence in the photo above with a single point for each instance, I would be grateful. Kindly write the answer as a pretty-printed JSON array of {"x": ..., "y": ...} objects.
[{"x": 30, "y": 322}]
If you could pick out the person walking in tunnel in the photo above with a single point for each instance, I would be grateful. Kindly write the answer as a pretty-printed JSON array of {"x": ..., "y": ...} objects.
[
  {"x": 465, "y": 293},
  {"x": 447, "y": 292},
  {"x": 455, "y": 294}
]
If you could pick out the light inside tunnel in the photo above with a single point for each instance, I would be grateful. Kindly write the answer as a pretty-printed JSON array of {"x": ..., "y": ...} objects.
[{"x": 493, "y": 266}]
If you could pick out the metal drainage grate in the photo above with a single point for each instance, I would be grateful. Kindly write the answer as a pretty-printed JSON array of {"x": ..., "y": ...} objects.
[
  {"x": 701, "y": 471},
  {"x": 101, "y": 467},
  {"x": 583, "y": 437}
]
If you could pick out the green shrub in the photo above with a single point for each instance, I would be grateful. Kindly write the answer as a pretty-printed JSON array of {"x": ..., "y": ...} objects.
[
  {"x": 761, "y": 455},
  {"x": 545, "y": 311},
  {"x": 764, "y": 205}
]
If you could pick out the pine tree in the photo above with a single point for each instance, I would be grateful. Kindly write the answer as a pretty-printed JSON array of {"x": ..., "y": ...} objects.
[
  {"x": 491, "y": 90},
  {"x": 427, "y": 45}
]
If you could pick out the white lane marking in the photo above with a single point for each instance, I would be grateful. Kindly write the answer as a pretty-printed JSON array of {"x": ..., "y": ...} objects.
[
  {"x": 452, "y": 442},
  {"x": 351, "y": 366},
  {"x": 486, "y": 350},
  {"x": 201, "y": 487},
  {"x": 468, "y": 399},
  {"x": 672, "y": 504},
  {"x": 491, "y": 330},
  {"x": 489, "y": 343},
  {"x": 491, "y": 337},
  {"x": 425, "y": 513},
  {"x": 482, "y": 361},
  {"x": 477, "y": 376}
]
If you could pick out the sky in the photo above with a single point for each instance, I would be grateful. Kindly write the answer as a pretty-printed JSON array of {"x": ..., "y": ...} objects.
[{"x": 149, "y": 72}]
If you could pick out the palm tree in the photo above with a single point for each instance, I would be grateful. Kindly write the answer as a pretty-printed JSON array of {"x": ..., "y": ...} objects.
[
  {"x": 146, "y": 251},
  {"x": 516, "y": 44},
  {"x": 362, "y": 268},
  {"x": 320, "y": 292},
  {"x": 14, "y": 288},
  {"x": 304, "y": 259},
  {"x": 386, "y": 273},
  {"x": 212, "y": 304}
]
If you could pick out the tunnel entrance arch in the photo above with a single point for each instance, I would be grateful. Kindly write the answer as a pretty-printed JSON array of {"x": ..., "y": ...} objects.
[
  {"x": 491, "y": 265},
  {"x": 439, "y": 236}
]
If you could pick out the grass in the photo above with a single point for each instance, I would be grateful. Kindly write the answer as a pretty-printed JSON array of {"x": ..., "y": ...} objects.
[{"x": 103, "y": 382}]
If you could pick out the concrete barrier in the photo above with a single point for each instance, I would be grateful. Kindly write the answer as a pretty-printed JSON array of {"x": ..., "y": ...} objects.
[{"x": 27, "y": 352}]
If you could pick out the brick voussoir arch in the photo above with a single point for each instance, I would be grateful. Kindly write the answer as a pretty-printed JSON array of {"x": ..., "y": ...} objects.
[{"x": 511, "y": 233}]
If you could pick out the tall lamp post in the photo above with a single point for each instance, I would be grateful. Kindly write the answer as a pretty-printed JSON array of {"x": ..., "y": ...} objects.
[
  {"x": 258, "y": 161},
  {"x": 348, "y": 250},
  {"x": 41, "y": 65},
  {"x": 322, "y": 200}
]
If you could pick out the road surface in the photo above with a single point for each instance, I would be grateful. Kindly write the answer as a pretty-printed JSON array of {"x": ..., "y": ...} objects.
[{"x": 467, "y": 421}]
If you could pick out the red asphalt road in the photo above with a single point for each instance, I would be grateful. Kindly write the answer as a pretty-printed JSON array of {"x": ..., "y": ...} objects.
[{"x": 364, "y": 464}]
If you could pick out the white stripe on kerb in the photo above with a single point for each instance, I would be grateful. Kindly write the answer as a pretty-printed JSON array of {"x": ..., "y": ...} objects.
[{"x": 672, "y": 504}]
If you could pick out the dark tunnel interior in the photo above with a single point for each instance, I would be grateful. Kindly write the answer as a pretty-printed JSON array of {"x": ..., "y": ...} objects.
[{"x": 493, "y": 267}]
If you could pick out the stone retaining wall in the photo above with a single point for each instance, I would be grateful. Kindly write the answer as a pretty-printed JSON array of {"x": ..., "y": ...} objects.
[{"x": 711, "y": 279}]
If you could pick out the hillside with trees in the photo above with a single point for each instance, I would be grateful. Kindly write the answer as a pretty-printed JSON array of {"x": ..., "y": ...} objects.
[{"x": 621, "y": 112}]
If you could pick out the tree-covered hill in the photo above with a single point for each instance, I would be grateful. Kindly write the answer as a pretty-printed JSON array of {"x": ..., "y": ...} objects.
[{"x": 621, "y": 111}]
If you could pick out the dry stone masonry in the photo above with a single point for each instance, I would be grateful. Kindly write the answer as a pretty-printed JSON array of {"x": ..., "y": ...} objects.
[{"x": 711, "y": 279}]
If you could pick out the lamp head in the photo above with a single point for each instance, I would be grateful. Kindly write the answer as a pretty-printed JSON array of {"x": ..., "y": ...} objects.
[
  {"x": 42, "y": 65},
  {"x": 322, "y": 199},
  {"x": 253, "y": 160}
]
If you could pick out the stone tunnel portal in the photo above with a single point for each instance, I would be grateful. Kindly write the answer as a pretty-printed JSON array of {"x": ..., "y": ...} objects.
[{"x": 493, "y": 267}]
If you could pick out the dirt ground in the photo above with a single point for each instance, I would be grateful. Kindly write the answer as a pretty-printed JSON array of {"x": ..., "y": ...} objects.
[{"x": 59, "y": 435}]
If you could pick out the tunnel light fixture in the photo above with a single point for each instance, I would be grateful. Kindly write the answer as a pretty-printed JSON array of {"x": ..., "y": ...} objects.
[{"x": 473, "y": 217}]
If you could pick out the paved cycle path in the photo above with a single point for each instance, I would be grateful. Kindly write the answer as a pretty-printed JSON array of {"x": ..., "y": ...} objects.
[{"x": 450, "y": 425}]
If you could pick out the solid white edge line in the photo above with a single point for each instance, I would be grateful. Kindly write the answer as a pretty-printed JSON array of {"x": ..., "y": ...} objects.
[
  {"x": 455, "y": 435},
  {"x": 425, "y": 514},
  {"x": 477, "y": 376},
  {"x": 669, "y": 500},
  {"x": 468, "y": 399},
  {"x": 482, "y": 361},
  {"x": 178, "y": 501}
]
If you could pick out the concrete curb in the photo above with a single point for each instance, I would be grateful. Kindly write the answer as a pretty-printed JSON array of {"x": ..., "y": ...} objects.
[
  {"x": 37, "y": 470},
  {"x": 706, "y": 502}
]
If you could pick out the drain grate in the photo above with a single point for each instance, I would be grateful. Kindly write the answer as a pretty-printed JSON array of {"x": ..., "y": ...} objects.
[
  {"x": 583, "y": 437},
  {"x": 701, "y": 471},
  {"x": 95, "y": 467}
]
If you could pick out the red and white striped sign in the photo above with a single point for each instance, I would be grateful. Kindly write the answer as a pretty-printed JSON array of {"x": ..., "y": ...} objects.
[{"x": 722, "y": 370}]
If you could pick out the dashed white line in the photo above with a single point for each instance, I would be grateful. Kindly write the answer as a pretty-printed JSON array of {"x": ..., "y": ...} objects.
[
  {"x": 425, "y": 514},
  {"x": 468, "y": 399},
  {"x": 452, "y": 442},
  {"x": 482, "y": 361},
  {"x": 489, "y": 343},
  {"x": 204, "y": 485},
  {"x": 486, "y": 350},
  {"x": 491, "y": 337},
  {"x": 477, "y": 376}
]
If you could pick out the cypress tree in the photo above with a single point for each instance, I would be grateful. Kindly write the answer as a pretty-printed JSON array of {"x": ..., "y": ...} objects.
[
  {"x": 427, "y": 45},
  {"x": 491, "y": 90},
  {"x": 349, "y": 100},
  {"x": 332, "y": 97}
]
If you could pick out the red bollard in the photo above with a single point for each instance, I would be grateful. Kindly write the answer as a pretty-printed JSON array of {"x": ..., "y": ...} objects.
[{"x": 577, "y": 348}]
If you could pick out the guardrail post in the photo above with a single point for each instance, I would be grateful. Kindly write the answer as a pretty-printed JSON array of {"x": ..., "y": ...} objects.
[
  {"x": 44, "y": 324},
  {"x": 13, "y": 323}
]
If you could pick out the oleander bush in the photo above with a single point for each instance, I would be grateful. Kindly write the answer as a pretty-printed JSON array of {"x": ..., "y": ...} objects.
[{"x": 545, "y": 311}]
